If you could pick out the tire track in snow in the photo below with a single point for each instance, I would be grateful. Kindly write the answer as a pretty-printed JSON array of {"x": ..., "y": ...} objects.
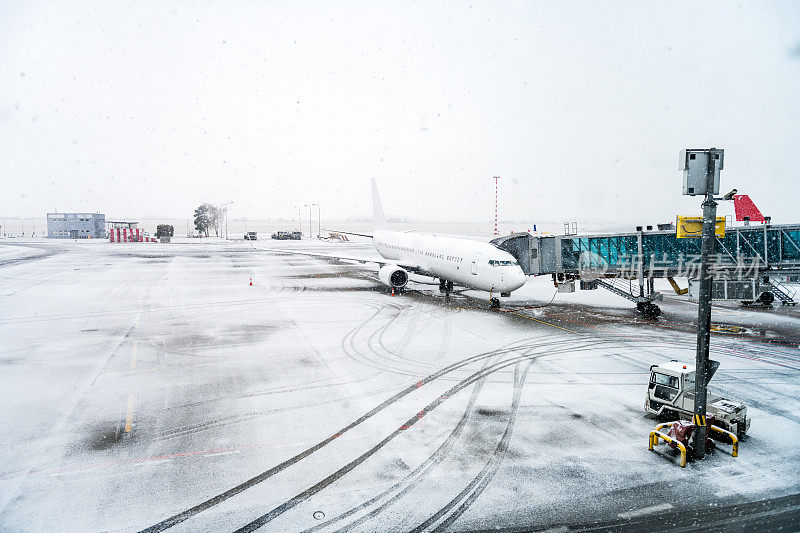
[
  {"x": 219, "y": 498},
  {"x": 305, "y": 495},
  {"x": 474, "y": 489},
  {"x": 413, "y": 478}
]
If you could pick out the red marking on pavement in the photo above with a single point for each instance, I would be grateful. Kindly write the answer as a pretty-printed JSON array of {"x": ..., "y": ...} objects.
[
  {"x": 419, "y": 417},
  {"x": 730, "y": 351},
  {"x": 130, "y": 461}
]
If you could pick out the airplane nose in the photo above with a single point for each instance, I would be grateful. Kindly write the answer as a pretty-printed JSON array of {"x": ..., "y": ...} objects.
[{"x": 518, "y": 278}]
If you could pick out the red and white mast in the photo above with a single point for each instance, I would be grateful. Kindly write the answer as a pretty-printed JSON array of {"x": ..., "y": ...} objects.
[{"x": 496, "y": 179}]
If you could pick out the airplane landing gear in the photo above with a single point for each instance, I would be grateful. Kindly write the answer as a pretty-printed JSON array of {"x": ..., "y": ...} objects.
[
  {"x": 445, "y": 287},
  {"x": 494, "y": 303}
]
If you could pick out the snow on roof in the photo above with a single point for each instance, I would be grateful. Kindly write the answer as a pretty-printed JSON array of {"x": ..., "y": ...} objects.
[{"x": 678, "y": 367}]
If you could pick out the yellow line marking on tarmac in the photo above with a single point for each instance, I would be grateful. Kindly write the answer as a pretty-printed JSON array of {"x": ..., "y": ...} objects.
[
  {"x": 221, "y": 453},
  {"x": 119, "y": 372},
  {"x": 71, "y": 472},
  {"x": 134, "y": 349},
  {"x": 147, "y": 463},
  {"x": 645, "y": 511},
  {"x": 129, "y": 416},
  {"x": 543, "y": 322}
]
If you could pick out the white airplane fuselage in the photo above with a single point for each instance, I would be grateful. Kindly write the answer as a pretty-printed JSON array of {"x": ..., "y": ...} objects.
[{"x": 472, "y": 264}]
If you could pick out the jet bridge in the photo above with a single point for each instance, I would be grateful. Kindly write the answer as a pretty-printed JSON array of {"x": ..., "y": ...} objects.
[{"x": 751, "y": 263}]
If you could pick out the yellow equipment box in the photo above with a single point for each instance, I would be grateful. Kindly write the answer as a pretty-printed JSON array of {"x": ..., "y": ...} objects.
[{"x": 689, "y": 227}]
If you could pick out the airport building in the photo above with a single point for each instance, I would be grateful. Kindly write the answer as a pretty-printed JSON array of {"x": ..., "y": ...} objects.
[{"x": 76, "y": 225}]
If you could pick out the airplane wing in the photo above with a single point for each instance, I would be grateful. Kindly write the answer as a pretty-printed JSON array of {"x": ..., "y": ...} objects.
[
  {"x": 380, "y": 261},
  {"x": 346, "y": 232}
]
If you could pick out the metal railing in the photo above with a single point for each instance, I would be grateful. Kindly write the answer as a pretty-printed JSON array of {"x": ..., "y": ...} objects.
[
  {"x": 656, "y": 434},
  {"x": 732, "y": 436}
]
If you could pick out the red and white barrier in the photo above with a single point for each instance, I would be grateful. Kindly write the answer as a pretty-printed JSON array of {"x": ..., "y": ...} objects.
[{"x": 128, "y": 235}]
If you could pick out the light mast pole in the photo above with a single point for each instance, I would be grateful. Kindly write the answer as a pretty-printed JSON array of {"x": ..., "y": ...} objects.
[{"x": 496, "y": 189}]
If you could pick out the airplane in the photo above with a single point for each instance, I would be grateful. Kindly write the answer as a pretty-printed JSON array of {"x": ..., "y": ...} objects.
[{"x": 454, "y": 261}]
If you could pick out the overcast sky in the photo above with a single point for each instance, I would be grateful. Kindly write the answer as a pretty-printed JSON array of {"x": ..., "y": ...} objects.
[{"x": 148, "y": 109}]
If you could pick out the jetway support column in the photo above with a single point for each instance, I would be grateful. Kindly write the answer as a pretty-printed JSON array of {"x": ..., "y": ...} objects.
[{"x": 640, "y": 270}]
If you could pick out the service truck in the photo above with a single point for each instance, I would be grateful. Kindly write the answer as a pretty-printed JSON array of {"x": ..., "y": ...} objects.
[{"x": 670, "y": 395}]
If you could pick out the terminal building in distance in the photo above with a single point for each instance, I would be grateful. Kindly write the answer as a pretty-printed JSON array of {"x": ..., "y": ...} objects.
[{"x": 76, "y": 226}]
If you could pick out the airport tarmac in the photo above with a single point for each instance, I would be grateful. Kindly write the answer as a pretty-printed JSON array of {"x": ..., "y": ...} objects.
[{"x": 152, "y": 387}]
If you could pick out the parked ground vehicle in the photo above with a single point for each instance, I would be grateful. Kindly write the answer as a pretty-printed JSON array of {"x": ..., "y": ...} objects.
[
  {"x": 287, "y": 235},
  {"x": 670, "y": 395},
  {"x": 250, "y": 236},
  {"x": 165, "y": 230}
]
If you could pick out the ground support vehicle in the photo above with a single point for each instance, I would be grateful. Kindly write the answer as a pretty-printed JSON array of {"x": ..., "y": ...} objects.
[
  {"x": 287, "y": 235},
  {"x": 670, "y": 395}
]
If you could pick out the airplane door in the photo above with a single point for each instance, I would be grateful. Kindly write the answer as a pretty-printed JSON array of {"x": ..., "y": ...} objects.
[{"x": 475, "y": 259}]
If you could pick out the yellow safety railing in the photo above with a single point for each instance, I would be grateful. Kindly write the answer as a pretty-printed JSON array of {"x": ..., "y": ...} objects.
[
  {"x": 657, "y": 433},
  {"x": 724, "y": 328},
  {"x": 654, "y": 436},
  {"x": 666, "y": 425},
  {"x": 732, "y": 436}
]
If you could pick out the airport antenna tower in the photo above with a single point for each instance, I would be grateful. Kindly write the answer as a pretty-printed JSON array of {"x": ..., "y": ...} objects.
[{"x": 496, "y": 179}]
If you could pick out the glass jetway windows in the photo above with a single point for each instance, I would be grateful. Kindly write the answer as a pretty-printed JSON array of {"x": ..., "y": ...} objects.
[
  {"x": 619, "y": 254},
  {"x": 621, "y": 249},
  {"x": 595, "y": 252},
  {"x": 790, "y": 244},
  {"x": 725, "y": 247},
  {"x": 751, "y": 244},
  {"x": 773, "y": 246},
  {"x": 569, "y": 254}
]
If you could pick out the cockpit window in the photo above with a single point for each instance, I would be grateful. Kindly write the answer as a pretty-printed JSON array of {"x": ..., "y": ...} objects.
[{"x": 496, "y": 262}]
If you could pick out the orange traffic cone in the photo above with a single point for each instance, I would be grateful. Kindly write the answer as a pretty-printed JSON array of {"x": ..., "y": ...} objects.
[
  {"x": 392, "y": 291},
  {"x": 251, "y": 281}
]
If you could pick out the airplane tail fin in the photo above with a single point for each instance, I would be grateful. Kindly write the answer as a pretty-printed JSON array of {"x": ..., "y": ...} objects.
[
  {"x": 745, "y": 207},
  {"x": 379, "y": 219}
]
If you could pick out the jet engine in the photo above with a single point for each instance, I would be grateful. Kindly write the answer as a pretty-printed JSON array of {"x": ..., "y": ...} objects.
[{"x": 393, "y": 276}]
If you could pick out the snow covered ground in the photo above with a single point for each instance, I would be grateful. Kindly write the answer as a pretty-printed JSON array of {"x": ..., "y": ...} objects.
[
  {"x": 151, "y": 385},
  {"x": 15, "y": 252}
]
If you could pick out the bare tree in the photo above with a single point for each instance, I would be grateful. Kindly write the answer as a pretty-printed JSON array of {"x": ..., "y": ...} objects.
[{"x": 217, "y": 212}]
